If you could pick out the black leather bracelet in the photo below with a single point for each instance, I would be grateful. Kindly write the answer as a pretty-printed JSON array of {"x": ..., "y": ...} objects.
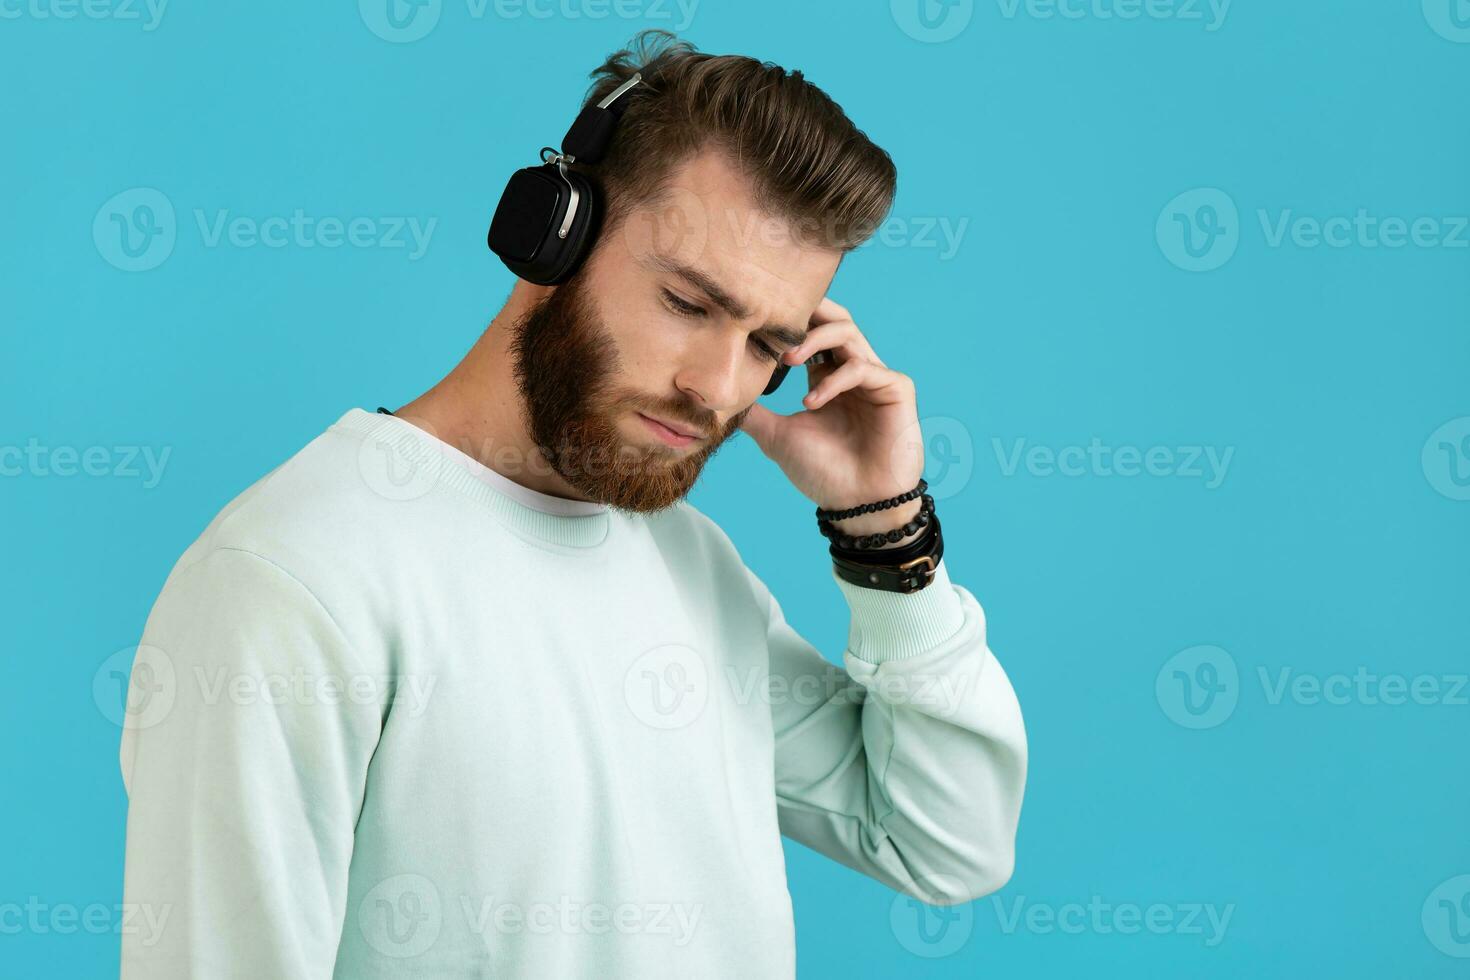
[{"x": 906, "y": 576}]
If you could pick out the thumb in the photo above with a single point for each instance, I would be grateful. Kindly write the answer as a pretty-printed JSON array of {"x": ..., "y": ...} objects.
[{"x": 760, "y": 424}]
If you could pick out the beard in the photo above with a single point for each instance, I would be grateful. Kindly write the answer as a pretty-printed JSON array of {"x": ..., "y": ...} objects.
[{"x": 566, "y": 368}]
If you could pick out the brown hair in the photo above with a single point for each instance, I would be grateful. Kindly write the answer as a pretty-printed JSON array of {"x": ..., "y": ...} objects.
[{"x": 807, "y": 163}]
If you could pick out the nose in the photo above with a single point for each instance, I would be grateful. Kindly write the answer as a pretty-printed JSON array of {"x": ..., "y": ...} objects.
[{"x": 714, "y": 375}]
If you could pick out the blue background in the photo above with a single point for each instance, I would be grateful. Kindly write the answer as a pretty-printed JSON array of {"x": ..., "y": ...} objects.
[{"x": 1335, "y": 541}]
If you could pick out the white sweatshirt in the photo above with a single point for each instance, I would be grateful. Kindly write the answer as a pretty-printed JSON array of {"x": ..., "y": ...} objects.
[{"x": 395, "y": 715}]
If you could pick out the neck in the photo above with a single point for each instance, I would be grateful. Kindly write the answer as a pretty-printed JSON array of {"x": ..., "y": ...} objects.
[{"x": 476, "y": 407}]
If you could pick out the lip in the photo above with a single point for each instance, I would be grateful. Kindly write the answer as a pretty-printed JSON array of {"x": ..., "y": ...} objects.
[{"x": 666, "y": 432}]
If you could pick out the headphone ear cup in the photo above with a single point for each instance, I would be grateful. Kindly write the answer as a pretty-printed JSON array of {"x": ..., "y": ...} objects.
[
  {"x": 777, "y": 376},
  {"x": 585, "y": 225},
  {"x": 524, "y": 230}
]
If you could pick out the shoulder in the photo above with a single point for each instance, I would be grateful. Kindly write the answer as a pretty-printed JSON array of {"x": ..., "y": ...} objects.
[
  {"x": 684, "y": 526},
  {"x": 699, "y": 549},
  {"x": 312, "y": 501},
  {"x": 317, "y": 520}
]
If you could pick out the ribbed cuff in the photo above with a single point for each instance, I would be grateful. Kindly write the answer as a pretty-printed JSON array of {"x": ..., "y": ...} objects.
[{"x": 893, "y": 626}]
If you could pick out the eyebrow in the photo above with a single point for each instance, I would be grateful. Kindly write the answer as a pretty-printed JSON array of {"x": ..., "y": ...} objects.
[{"x": 721, "y": 297}]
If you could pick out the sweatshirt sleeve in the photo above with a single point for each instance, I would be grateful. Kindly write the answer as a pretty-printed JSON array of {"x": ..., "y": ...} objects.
[
  {"x": 908, "y": 765},
  {"x": 244, "y": 755}
]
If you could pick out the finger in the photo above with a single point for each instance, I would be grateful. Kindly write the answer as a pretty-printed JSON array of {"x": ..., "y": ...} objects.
[
  {"x": 838, "y": 336},
  {"x": 828, "y": 310},
  {"x": 877, "y": 383}
]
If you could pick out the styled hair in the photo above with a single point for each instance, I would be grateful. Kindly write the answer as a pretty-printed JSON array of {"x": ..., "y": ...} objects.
[{"x": 806, "y": 162}]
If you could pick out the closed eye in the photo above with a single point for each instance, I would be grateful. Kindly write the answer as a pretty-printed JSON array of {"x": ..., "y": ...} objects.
[
  {"x": 681, "y": 307},
  {"x": 684, "y": 308}
]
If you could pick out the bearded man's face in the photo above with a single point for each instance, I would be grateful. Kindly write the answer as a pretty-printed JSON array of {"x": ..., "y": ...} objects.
[
  {"x": 680, "y": 313},
  {"x": 587, "y": 424}
]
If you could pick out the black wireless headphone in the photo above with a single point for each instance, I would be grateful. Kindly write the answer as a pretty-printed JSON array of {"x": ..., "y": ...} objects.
[{"x": 549, "y": 216}]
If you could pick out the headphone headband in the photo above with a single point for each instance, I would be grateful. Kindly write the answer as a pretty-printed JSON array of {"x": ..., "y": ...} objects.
[
  {"x": 591, "y": 133},
  {"x": 548, "y": 216}
]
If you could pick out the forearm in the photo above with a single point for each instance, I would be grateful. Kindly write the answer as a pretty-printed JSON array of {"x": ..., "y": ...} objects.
[{"x": 915, "y": 774}]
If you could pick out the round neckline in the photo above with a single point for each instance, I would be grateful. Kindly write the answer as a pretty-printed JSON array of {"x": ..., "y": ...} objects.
[
  {"x": 562, "y": 523},
  {"x": 534, "y": 499}
]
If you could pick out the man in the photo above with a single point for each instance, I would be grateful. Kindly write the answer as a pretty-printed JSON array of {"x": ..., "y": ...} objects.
[{"x": 469, "y": 689}]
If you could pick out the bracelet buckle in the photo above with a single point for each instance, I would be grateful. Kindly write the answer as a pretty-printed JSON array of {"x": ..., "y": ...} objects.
[
  {"x": 928, "y": 572},
  {"x": 923, "y": 575}
]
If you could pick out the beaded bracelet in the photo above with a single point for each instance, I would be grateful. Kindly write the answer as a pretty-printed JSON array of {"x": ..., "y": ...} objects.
[
  {"x": 842, "y": 515},
  {"x": 863, "y": 542}
]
